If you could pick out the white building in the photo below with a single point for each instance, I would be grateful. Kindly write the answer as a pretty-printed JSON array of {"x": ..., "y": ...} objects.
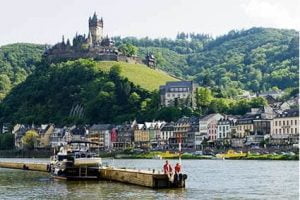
[
  {"x": 178, "y": 93},
  {"x": 224, "y": 129},
  {"x": 205, "y": 127}
]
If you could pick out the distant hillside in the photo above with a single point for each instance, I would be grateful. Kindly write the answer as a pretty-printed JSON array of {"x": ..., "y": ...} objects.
[
  {"x": 140, "y": 75},
  {"x": 17, "y": 61},
  {"x": 257, "y": 59}
]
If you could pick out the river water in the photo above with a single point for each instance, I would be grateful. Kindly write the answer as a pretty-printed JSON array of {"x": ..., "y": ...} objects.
[{"x": 207, "y": 179}]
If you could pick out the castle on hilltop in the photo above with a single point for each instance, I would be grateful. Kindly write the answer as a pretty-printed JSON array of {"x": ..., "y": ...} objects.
[{"x": 95, "y": 45}]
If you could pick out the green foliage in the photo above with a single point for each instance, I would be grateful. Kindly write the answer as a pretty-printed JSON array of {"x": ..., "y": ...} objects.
[
  {"x": 30, "y": 139},
  {"x": 7, "y": 141},
  {"x": 17, "y": 61},
  {"x": 128, "y": 49},
  {"x": 100, "y": 95},
  {"x": 256, "y": 59}
]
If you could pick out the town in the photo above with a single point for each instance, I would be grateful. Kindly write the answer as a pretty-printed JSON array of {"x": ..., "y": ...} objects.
[{"x": 273, "y": 126}]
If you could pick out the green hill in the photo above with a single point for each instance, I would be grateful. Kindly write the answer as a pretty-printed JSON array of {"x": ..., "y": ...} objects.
[
  {"x": 257, "y": 59},
  {"x": 141, "y": 75},
  {"x": 17, "y": 61},
  {"x": 81, "y": 91}
]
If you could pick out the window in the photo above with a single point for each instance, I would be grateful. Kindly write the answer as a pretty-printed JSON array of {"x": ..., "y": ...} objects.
[
  {"x": 291, "y": 122},
  {"x": 296, "y": 131},
  {"x": 279, "y": 123},
  {"x": 276, "y": 131},
  {"x": 295, "y": 122},
  {"x": 283, "y": 123},
  {"x": 292, "y": 130},
  {"x": 287, "y": 122},
  {"x": 168, "y": 95},
  {"x": 275, "y": 123},
  {"x": 280, "y": 131}
]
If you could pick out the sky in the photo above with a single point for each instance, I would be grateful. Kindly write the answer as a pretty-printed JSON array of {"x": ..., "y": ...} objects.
[{"x": 44, "y": 22}]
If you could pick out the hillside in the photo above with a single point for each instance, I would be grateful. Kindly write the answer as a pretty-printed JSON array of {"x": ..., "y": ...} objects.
[
  {"x": 138, "y": 74},
  {"x": 17, "y": 61},
  {"x": 76, "y": 92},
  {"x": 258, "y": 59}
]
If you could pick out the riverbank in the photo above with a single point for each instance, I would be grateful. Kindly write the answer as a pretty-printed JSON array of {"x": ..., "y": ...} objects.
[
  {"x": 249, "y": 156},
  {"x": 150, "y": 155}
]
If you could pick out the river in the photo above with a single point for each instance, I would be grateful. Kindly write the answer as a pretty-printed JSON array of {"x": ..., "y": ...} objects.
[{"x": 207, "y": 179}]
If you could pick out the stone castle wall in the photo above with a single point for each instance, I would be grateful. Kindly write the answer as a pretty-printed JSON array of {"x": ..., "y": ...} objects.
[{"x": 100, "y": 57}]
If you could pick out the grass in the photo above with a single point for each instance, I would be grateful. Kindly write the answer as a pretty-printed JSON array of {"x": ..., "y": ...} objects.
[{"x": 145, "y": 77}]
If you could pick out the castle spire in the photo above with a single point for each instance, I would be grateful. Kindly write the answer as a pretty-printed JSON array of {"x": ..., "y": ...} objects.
[
  {"x": 63, "y": 39},
  {"x": 95, "y": 16}
]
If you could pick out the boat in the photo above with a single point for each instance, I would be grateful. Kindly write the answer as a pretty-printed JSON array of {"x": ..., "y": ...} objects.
[
  {"x": 231, "y": 154},
  {"x": 75, "y": 161}
]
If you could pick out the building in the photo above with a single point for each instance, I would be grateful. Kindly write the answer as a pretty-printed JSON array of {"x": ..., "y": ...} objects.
[
  {"x": 19, "y": 131},
  {"x": 125, "y": 136},
  {"x": 166, "y": 132},
  {"x": 184, "y": 132},
  {"x": 207, "y": 128},
  {"x": 58, "y": 138},
  {"x": 150, "y": 60},
  {"x": 93, "y": 45},
  {"x": 101, "y": 134},
  {"x": 224, "y": 130},
  {"x": 141, "y": 136},
  {"x": 180, "y": 133},
  {"x": 176, "y": 93},
  {"x": 285, "y": 127},
  {"x": 154, "y": 132},
  {"x": 45, "y": 133}
]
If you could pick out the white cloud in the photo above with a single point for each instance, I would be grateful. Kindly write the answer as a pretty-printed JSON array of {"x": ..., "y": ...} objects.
[{"x": 273, "y": 13}]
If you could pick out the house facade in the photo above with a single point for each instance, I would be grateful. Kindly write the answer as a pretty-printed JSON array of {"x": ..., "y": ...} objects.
[
  {"x": 178, "y": 93},
  {"x": 285, "y": 127}
]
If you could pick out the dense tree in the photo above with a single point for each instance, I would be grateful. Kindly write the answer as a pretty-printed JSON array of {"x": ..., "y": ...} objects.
[
  {"x": 17, "y": 61},
  {"x": 30, "y": 139},
  {"x": 7, "y": 141},
  {"x": 128, "y": 49}
]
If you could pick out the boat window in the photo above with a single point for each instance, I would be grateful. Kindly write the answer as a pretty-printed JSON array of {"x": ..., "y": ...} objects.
[
  {"x": 82, "y": 155},
  {"x": 61, "y": 157}
]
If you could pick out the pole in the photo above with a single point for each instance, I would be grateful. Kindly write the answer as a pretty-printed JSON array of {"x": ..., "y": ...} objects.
[{"x": 179, "y": 149}]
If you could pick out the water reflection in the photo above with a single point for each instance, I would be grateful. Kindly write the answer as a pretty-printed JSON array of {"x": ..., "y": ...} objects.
[{"x": 206, "y": 180}]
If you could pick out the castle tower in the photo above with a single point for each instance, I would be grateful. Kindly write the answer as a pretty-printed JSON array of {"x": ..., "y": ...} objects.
[{"x": 96, "y": 29}]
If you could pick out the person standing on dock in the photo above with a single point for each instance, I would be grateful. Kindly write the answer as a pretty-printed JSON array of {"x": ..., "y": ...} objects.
[
  {"x": 168, "y": 171},
  {"x": 167, "y": 168},
  {"x": 177, "y": 168},
  {"x": 177, "y": 172}
]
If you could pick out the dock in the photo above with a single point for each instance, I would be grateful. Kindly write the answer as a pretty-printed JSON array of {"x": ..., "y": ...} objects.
[{"x": 152, "y": 179}]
